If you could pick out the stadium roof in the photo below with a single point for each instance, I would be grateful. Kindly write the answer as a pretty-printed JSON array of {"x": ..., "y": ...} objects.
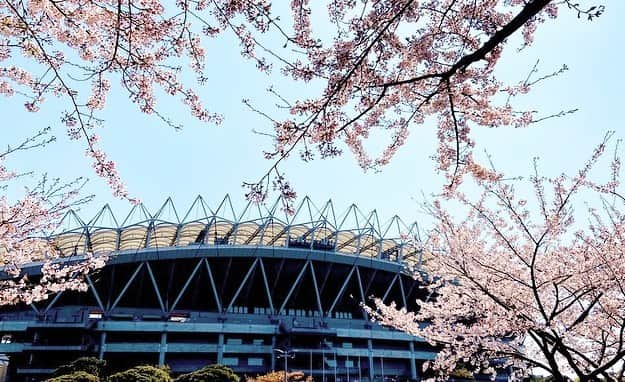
[{"x": 351, "y": 233}]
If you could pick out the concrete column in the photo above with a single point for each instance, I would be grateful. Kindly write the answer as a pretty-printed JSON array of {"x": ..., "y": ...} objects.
[
  {"x": 102, "y": 345},
  {"x": 413, "y": 365},
  {"x": 370, "y": 348},
  {"x": 220, "y": 349},
  {"x": 31, "y": 355},
  {"x": 162, "y": 349},
  {"x": 273, "y": 359}
]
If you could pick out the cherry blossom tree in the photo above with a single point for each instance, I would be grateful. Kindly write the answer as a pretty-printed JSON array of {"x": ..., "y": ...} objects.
[
  {"x": 530, "y": 281},
  {"x": 24, "y": 221},
  {"x": 74, "y": 50},
  {"x": 52, "y": 48},
  {"x": 387, "y": 65},
  {"x": 392, "y": 66}
]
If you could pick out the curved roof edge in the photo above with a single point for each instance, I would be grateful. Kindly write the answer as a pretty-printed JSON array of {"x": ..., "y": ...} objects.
[{"x": 352, "y": 233}]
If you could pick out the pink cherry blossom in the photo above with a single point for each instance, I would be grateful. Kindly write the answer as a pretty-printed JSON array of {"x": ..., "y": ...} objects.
[
  {"x": 141, "y": 45},
  {"x": 533, "y": 282},
  {"x": 391, "y": 65},
  {"x": 24, "y": 224}
]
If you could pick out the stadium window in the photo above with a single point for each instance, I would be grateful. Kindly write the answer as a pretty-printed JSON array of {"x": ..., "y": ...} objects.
[
  {"x": 330, "y": 362},
  {"x": 95, "y": 315},
  {"x": 230, "y": 361},
  {"x": 255, "y": 362},
  {"x": 178, "y": 317}
]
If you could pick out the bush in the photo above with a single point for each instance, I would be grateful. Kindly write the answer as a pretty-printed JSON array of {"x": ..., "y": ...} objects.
[
  {"x": 212, "y": 373},
  {"x": 89, "y": 365},
  {"x": 462, "y": 373},
  {"x": 539, "y": 378},
  {"x": 78, "y": 376},
  {"x": 278, "y": 376},
  {"x": 142, "y": 374}
]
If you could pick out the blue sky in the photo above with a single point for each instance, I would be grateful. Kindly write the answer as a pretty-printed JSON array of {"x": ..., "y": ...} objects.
[{"x": 155, "y": 161}]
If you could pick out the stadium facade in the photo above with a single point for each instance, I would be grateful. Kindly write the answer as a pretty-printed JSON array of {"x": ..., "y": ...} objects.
[{"x": 240, "y": 289}]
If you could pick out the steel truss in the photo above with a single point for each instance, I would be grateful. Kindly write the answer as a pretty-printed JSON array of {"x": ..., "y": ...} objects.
[
  {"x": 350, "y": 233},
  {"x": 323, "y": 308}
]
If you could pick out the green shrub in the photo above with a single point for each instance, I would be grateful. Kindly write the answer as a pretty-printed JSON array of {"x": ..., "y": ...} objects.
[
  {"x": 462, "y": 373},
  {"x": 142, "y": 374},
  {"x": 212, "y": 373},
  {"x": 539, "y": 378},
  {"x": 278, "y": 376},
  {"x": 90, "y": 365},
  {"x": 78, "y": 376}
]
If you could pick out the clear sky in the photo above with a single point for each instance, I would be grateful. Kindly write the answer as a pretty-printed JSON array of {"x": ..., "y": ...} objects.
[{"x": 155, "y": 161}]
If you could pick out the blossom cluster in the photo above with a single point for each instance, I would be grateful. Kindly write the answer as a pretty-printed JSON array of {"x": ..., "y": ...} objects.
[
  {"x": 391, "y": 65},
  {"x": 23, "y": 226},
  {"x": 524, "y": 280},
  {"x": 51, "y": 47}
]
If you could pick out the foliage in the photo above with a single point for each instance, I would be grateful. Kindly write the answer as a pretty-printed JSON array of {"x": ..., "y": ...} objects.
[
  {"x": 278, "y": 376},
  {"x": 213, "y": 373},
  {"x": 52, "y": 48},
  {"x": 23, "y": 220},
  {"x": 526, "y": 281},
  {"x": 385, "y": 65},
  {"x": 90, "y": 365},
  {"x": 539, "y": 378},
  {"x": 77, "y": 376},
  {"x": 142, "y": 374},
  {"x": 462, "y": 373}
]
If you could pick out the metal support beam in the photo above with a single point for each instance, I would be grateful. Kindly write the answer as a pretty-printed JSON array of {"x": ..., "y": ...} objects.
[
  {"x": 240, "y": 288},
  {"x": 177, "y": 235},
  {"x": 277, "y": 279},
  {"x": 342, "y": 290},
  {"x": 362, "y": 292},
  {"x": 34, "y": 308},
  {"x": 266, "y": 283},
  {"x": 414, "y": 285},
  {"x": 118, "y": 239},
  {"x": 148, "y": 234},
  {"x": 213, "y": 287},
  {"x": 390, "y": 286},
  {"x": 130, "y": 280},
  {"x": 226, "y": 276},
  {"x": 170, "y": 282},
  {"x": 95, "y": 292},
  {"x": 186, "y": 285},
  {"x": 297, "y": 280},
  {"x": 370, "y": 282},
  {"x": 111, "y": 285},
  {"x": 54, "y": 300},
  {"x": 401, "y": 288},
  {"x": 317, "y": 294},
  {"x": 330, "y": 267},
  {"x": 155, "y": 285}
]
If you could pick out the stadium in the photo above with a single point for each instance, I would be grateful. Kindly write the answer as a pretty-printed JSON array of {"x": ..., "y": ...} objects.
[{"x": 252, "y": 289}]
